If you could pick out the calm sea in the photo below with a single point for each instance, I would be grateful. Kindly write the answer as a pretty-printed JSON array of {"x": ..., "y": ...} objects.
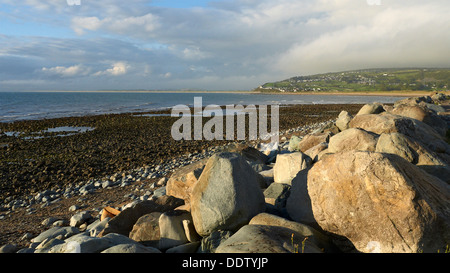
[{"x": 39, "y": 105}]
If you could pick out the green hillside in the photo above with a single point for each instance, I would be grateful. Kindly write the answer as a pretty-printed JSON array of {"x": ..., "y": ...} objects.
[{"x": 416, "y": 79}]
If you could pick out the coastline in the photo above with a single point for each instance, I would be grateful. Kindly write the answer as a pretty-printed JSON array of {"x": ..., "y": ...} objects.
[
  {"x": 359, "y": 93},
  {"x": 330, "y": 93}
]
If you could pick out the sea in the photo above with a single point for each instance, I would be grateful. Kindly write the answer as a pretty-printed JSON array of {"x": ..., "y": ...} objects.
[{"x": 16, "y": 106}]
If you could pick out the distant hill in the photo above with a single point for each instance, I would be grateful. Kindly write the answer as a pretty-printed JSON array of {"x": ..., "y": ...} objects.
[{"x": 417, "y": 79}]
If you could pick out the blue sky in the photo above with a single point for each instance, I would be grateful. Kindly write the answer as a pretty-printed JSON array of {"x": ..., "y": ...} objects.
[{"x": 211, "y": 45}]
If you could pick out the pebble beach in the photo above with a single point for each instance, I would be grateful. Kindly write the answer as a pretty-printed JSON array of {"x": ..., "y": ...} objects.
[
  {"x": 123, "y": 159},
  {"x": 351, "y": 178}
]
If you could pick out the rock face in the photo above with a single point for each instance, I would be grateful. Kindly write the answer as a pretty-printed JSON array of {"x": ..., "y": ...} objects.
[
  {"x": 226, "y": 196},
  {"x": 353, "y": 139},
  {"x": 380, "y": 202},
  {"x": 288, "y": 165}
]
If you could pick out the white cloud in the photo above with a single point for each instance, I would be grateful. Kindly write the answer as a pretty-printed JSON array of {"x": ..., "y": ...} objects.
[
  {"x": 393, "y": 36},
  {"x": 117, "y": 69},
  {"x": 75, "y": 70}
]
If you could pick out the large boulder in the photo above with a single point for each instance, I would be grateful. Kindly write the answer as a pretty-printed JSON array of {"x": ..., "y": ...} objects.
[
  {"x": 423, "y": 114},
  {"x": 380, "y": 202},
  {"x": 227, "y": 194},
  {"x": 385, "y": 123},
  {"x": 288, "y": 165},
  {"x": 353, "y": 139}
]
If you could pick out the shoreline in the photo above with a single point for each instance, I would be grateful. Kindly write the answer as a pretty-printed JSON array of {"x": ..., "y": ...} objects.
[
  {"x": 325, "y": 93},
  {"x": 360, "y": 93}
]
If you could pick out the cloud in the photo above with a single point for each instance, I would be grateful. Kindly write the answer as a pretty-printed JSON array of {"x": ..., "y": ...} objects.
[
  {"x": 71, "y": 71},
  {"x": 385, "y": 36},
  {"x": 117, "y": 69},
  {"x": 229, "y": 44},
  {"x": 120, "y": 25}
]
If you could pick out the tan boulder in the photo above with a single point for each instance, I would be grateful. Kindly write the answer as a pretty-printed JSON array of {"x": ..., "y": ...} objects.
[
  {"x": 343, "y": 120},
  {"x": 385, "y": 123},
  {"x": 372, "y": 108},
  {"x": 423, "y": 114},
  {"x": 416, "y": 153},
  {"x": 353, "y": 139},
  {"x": 288, "y": 165},
  {"x": 312, "y": 140},
  {"x": 380, "y": 202},
  {"x": 183, "y": 180},
  {"x": 314, "y": 152}
]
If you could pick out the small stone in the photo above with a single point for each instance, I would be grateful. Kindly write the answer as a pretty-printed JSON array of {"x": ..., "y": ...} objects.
[{"x": 80, "y": 218}]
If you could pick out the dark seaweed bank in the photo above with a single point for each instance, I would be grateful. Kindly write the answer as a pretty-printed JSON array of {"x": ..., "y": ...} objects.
[{"x": 33, "y": 158}]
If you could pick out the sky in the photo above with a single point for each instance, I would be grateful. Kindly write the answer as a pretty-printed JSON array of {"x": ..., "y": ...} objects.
[{"x": 211, "y": 45}]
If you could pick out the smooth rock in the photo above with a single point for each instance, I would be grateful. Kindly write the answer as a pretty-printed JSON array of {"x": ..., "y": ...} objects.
[
  {"x": 227, "y": 194},
  {"x": 277, "y": 194},
  {"x": 422, "y": 113}
]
